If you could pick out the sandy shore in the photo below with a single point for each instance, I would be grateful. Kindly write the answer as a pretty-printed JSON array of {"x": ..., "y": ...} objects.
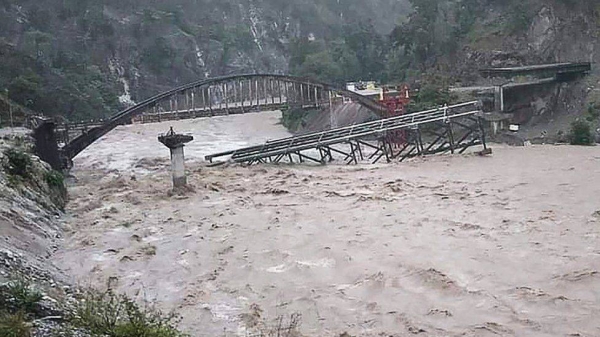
[{"x": 441, "y": 246}]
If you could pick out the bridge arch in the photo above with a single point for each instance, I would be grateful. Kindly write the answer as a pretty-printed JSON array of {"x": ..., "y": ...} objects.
[{"x": 222, "y": 95}]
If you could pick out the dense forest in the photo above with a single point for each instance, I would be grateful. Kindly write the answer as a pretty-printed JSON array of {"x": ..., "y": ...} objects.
[{"x": 88, "y": 59}]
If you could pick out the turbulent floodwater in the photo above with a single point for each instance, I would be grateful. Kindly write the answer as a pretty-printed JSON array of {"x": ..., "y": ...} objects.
[
  {"x": 124, "y": 147},
  {"x": 443, "y": 246}
]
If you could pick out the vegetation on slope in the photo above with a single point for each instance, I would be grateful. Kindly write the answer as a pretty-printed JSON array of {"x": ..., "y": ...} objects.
[
  {"x": 23, "y": 312},
  {"x": 19, "y": 303},
  {"x": 29, "y": 176},
  {"x": 581, "y": 133},
  {"x": 86, "y": 59}
]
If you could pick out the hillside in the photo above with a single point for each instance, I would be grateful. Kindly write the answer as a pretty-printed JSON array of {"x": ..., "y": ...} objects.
[
  {"x": 468, "y": 34},
  {"x": 445, "y": 43},
  {"x": 86, "y": 59}
]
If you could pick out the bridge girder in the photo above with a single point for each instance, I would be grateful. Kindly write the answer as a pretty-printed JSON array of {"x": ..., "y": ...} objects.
[{"x": 221, "y": 95}]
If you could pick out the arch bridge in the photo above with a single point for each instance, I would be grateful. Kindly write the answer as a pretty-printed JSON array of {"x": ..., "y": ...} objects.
[{"x": 212, "y": 97}]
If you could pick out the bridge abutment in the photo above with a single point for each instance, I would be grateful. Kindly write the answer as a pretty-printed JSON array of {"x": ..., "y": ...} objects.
[{"x": 46, "y": 144}]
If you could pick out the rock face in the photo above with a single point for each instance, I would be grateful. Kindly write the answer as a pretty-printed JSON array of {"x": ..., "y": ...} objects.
[
  {"x": 32, "y": 197},
  {"x": 511, "y": 33},
  {"x": 104, "y": 54},
  {"x": 30, "y": 204},
  {"x": 542, "y": 32},
  {"x": 87, "y": 59}
]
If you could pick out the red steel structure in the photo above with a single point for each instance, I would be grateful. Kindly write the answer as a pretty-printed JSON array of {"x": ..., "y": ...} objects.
[{"x": 396, "y": 106}]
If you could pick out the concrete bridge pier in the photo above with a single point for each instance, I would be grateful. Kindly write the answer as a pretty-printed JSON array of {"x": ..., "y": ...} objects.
[
  {"x": 176, "y": 142},
  {"x": 178, "y": 167}
]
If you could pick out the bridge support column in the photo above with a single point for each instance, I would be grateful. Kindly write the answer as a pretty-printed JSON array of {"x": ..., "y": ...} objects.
[
  {"x": 178, "y": 167},
  {"x": 177, "y": 106},
  {"x": 250, "y": 93},
  {"x": 193, "y": 107},
  {"x": 175, "y": 143},
  {"x": 241, "y": 94},
  {"x": 279, "y": 91},
  {"x": 209, "y": 101},
  {"x": 257, "y": 93},
  {"x": 499, "y": 98},
  {"x": 272, "y": 89},
  {"x": 224, "y": 90}
]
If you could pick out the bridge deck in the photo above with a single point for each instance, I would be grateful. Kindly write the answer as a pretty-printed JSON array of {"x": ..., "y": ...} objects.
[
  {"x": 512, "y": 86},
  {"x": 223, "y": 109},
  {"x": 543, "y": 69},
  {"x": 440, "y": 121}
]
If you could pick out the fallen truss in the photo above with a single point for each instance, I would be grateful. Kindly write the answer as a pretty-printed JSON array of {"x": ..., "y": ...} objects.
[{"x": 445, "y": 129}]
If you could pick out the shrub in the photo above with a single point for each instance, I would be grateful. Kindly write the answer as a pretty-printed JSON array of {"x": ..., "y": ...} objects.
[
  {"x": 17, "y": 163},
  {"x": 283, "y": 328},
  {"x": 105, "y": 313},
  {"x": 581, "y": 133},
  {"x": 55, "y": 179},
  {"x": 593, "y": 113},
  {"x": 19, "y": 296},
  {"x": 14, "y": 325}
]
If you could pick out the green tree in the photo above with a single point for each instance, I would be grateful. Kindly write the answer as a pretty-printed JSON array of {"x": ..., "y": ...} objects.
[
  {"x": 159, "y": 56},
  {"x": 25, "y": 89},
  {"x": 369, "y": 48},
  {"x": 581, "y": 133},
  {"x": 321, "y": 66},
  {"x": 417, "y": 36}
]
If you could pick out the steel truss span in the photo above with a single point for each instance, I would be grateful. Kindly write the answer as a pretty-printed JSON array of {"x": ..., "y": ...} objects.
[{"x": 444, "y": 129}]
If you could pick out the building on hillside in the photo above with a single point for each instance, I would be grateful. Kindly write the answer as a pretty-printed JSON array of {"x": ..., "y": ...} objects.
[{"x": 373, "y": 90}]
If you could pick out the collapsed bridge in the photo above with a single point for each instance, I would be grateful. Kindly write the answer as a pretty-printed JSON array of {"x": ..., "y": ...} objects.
[{"x": 445, "y": 129}]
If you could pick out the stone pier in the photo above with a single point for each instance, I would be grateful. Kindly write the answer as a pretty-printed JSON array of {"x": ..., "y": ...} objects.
[{"x": 175, "y": 142}]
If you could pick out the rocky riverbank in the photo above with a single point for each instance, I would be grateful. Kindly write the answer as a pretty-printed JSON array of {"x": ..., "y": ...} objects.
[
  {"x": 36, "y": 297},
  {"x": 32, "y": 197}
]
